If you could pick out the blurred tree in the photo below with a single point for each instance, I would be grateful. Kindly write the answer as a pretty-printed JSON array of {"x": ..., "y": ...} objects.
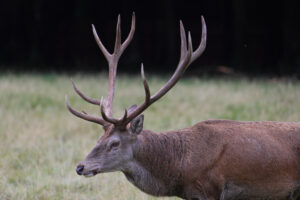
[{"x": 255, "y": 36}]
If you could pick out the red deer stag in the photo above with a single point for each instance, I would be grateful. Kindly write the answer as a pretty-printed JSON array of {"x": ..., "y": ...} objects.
[{"x": 214, "y": 159}]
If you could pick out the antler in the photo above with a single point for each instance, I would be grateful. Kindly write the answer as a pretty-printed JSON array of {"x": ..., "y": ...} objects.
[
  {"x": 84, "y": 115},
  {"x": 112, "y": 60},
  {"x": 187, "y": 56}
]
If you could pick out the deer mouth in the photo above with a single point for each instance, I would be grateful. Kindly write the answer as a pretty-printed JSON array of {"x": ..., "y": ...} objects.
[
  {"x": 95, "y": 172},
  {"x": 90, "y": 173}
]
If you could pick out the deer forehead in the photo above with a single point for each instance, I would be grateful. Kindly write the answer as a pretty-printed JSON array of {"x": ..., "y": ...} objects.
[{"x": 112, "y": 133}]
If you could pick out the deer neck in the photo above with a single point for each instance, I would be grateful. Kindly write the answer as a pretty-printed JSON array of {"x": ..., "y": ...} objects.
[
  {"x": 142, "y": 178},
  {"x": 154, "y": 169}
]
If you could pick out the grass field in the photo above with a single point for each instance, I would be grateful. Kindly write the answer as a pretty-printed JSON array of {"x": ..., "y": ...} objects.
[{"x": 41, "y": 142}]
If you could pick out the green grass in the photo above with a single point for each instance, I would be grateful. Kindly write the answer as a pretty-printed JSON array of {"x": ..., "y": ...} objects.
[{"x": 41, "y": 142}]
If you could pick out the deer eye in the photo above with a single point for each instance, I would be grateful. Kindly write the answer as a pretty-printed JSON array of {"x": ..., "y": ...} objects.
[{"x": 114, "y": 145}]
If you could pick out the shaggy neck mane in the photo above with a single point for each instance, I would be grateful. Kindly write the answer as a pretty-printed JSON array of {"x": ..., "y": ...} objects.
[{"x": 158, "y": 163}]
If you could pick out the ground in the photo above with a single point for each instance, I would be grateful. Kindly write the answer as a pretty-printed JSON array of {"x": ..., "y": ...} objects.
[{"x": 41, "y": 142}]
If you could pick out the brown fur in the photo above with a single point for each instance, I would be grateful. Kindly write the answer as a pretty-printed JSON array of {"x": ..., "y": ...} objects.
[{"x": 220, "y": 158}]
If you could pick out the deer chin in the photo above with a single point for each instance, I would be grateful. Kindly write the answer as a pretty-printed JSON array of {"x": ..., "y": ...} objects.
[
  {"x": 97, "y": 171},
  {"x": 90, "y": 173}
]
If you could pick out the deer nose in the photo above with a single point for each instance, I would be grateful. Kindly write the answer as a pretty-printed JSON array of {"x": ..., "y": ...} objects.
[{"x": 79, "y": 169}]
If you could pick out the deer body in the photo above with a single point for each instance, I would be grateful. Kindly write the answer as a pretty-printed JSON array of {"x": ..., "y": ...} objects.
[
  {"x": 235, "y": 160},
  {"x": 215, "y": 159}
]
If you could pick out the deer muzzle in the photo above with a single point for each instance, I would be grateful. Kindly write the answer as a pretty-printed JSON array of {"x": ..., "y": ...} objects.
[{"x": 79, "y": 169}]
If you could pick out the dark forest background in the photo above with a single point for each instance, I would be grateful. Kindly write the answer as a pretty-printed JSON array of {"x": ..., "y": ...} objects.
[{"x": 244, "y": 36}]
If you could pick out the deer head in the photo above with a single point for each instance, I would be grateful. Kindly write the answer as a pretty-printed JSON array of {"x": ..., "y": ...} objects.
[{"x": 114, "y": 149}]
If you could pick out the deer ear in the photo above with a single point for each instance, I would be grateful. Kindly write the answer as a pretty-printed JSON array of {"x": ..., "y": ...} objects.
[{"x": 136, "y": 126}]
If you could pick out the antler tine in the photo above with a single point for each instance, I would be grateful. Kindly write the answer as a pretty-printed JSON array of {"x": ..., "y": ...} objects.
[
  {"x": 146, "y": 86},
  {"x": 202, "y": 44},
  {"x": 187, "y": 56},
  {"x": 113, "y": 120},
  {"x": 189, "y": 51},
  {"x": 130, "y": 35},
  {"x": 120, "y": 47},
  {"x": 88, "y": 99},
  {"x": 118, "y": 36},
  {"x": 101, "y": 46},
  {"x": 104, "y": 116},
  {"x": 85, "y": 116},
  {"x": 183, "y": 41}
]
